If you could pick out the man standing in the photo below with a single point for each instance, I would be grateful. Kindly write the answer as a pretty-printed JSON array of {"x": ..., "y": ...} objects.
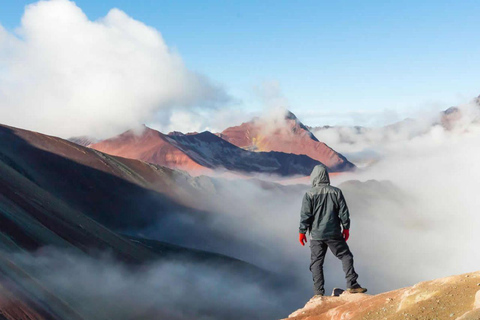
[{"x": 324, "y": 213}]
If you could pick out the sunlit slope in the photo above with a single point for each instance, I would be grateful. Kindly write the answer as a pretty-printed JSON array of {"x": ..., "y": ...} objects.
[
  {"x": 201, "y": 153},
  {"x": 456, "y": 297},
  {"x": 289, "y": 136}
]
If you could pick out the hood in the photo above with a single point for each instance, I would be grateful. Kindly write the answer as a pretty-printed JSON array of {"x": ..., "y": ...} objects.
[{"x": 319, "y": 176}]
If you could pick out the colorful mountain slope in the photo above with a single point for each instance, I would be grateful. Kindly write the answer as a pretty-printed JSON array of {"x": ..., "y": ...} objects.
[
  {"x": 201, "y": 153},
  {"x": 58, "y": 194},
  {"x": 289, "y": 136}
]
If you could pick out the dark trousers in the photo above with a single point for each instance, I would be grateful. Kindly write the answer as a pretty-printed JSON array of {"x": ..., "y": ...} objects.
[{"x": 340, "y": 249}]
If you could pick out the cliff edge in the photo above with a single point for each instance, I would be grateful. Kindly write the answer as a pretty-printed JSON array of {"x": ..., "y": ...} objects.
[{"x": 455, "y": 297}]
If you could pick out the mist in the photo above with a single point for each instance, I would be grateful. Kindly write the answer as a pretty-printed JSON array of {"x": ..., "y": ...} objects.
[
  {"x": 103, "y": 288},
  {"x": 413, "y": 212},
  {"x": 438, "y": 173},
  {"x": 364, "y": 145}
]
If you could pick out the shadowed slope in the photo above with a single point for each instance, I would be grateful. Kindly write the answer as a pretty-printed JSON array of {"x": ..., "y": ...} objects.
[
  {"x": 49, "y": 196},
  {"x": 55, "y": 193}
]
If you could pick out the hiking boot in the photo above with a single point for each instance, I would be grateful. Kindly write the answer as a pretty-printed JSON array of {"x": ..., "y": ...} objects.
[
  {"x": 357, "y": 289},
  {"x": 317, "y": 296}
]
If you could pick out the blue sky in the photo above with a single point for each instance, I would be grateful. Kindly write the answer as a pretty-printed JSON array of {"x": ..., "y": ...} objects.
[{"x": 337, "y": 62}]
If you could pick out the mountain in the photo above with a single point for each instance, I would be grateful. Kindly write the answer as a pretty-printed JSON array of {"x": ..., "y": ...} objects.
[
  {"x": 57, "y": 194},
  {"x": 201, "y": 153},
  {"x": 455, "y": 297},
  {"x": 289, "y": 136},
  {"x": 54, "y": 192}
]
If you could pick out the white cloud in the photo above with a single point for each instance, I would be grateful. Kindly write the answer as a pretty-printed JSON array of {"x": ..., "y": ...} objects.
[
  {"x": 363, "y": 144},
  {"x": 275, "y": 106},
  {"x": 418, "y": 226},
  {"x": 103, "y": 288},
  {"x": 183, "y": 120},
  {"x": 64, "y": 74}
]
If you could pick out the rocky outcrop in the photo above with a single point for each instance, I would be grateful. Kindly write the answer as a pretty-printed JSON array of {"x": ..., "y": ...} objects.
[{"x": 455, "y": 297}]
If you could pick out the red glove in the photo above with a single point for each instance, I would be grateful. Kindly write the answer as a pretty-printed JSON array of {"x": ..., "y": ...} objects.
[
  {"x": 302, "y": 239},
  {"x": 346, "y": 234}
]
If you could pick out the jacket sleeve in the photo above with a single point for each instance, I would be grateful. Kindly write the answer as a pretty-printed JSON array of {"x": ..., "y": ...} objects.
[
  {"x": 306, "y": 214},
  {"x": 343, "y": 213}
]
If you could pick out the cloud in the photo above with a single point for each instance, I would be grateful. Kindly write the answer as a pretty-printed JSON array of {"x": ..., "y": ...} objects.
[
  {"x": 425, "y": 229},
  {"x": 104, "y": 288},
  {"x": 272, "y": 103},
  {"x": 415, "y": 221},
  {"x": 275, "y": 106},
  {"x": 63, "y": 74},
  {"x": 439, "y": 173},
  {"x": 202, "y": 119},
  {"x": 361, "y": 145}
]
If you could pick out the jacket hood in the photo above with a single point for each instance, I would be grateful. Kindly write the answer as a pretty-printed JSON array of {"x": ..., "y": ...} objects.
[{"x": 319, "y": 176}]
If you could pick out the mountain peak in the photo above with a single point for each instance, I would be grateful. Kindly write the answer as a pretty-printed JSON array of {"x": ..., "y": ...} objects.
[
  {"x": 284, "y": 134},
  {"x": 290, "y": 116}
]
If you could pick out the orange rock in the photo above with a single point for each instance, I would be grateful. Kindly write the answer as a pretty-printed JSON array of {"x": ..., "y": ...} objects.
[{"x": 456, "y": 297}]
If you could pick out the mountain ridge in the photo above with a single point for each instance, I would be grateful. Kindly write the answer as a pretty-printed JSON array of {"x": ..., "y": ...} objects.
[
  {"x": 202, "y": 153},
  {"x": 287, "y": 135},
  {"x": 54, "y": 193}
]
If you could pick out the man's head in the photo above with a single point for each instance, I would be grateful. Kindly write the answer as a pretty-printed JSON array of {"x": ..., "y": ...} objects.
[{"x": 319, "y": 175}]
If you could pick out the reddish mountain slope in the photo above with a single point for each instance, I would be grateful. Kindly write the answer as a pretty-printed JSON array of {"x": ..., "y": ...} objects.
[
  {"x": 290, "y": 137},
  {"x": 150, "y": 146},
  {"x": 200, "y": 153}
]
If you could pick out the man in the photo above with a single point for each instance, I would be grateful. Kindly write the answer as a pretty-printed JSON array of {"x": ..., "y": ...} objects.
[{"x": 324, "y": 213}]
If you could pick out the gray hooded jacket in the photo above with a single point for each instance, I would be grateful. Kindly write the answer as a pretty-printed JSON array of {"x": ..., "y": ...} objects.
[{"x": 324, "y": 209}]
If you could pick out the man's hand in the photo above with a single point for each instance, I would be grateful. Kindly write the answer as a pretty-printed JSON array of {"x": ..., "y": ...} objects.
[
  {"x": 303, "y": 239},
  {"x": 346, "y": 234}
]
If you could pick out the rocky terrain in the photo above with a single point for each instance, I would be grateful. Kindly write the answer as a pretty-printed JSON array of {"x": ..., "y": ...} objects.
[{"x": 455, "y": 297}]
